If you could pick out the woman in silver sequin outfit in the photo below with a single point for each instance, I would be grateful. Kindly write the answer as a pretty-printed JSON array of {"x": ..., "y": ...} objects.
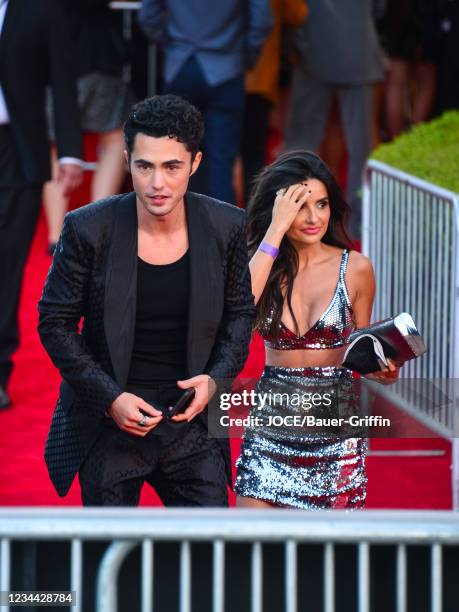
[{"x": 311, "y": 291}]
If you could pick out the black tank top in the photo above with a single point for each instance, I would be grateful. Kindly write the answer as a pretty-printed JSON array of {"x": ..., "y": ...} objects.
[{"x": 159, "y": 353}]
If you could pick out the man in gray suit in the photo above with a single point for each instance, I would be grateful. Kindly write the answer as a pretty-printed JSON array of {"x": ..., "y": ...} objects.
[
  {"x": 339, "y": 54},
  {"x": 207, "y": 48}
]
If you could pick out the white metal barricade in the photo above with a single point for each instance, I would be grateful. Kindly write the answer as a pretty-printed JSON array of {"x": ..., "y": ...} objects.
[
  {"x": 131, "y": 527},
  {"x": 411, "y": 234}
]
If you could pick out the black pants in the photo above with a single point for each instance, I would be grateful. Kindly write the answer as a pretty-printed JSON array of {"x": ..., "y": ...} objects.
[
  {"x": 180, "y": 461},
  {"x": 254, "y": 138},
  {"x": 19, "y": 208}
]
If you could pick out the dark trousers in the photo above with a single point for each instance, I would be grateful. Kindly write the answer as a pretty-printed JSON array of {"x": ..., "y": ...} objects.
[
  {"x": 310, "y": 102},
  {"x": 19, "y": 209},
  {"x": 180, "y": 461},
  {"x": 222, "y": 108},
  {"x": 254, "y": 138}
]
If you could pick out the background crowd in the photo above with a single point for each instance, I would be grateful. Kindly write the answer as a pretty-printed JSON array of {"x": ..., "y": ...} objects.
[{"x": 334, "y": 76}]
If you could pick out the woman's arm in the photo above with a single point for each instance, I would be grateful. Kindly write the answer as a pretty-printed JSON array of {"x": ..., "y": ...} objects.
[
  {"x": 362, "y": 303},
  {"x": 286, "y": 206},
  {"x": 362, "y": 280}
]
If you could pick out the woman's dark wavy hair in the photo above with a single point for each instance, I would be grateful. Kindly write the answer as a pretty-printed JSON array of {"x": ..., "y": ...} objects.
[{"x": 290, "y": 168}]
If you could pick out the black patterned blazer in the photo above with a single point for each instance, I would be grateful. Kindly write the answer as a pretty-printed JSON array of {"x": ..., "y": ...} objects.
[{"x": 93, "y": 277}]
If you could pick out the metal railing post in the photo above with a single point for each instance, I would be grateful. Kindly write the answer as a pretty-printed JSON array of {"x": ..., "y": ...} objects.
[
  {"x": 76, "y": 573},
  {"x": 107, "y": 577}
]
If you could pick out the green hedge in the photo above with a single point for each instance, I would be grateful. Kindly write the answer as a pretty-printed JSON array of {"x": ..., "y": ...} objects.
[{"x": 429, "y": 151}]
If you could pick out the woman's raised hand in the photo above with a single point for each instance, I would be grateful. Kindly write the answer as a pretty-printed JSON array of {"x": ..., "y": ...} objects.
[{"x": 287, "y": 204}]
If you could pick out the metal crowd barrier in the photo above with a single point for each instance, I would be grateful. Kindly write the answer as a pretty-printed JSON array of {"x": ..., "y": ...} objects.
[
  {"x": 411, "y": 234},
  {"x": 144, "y": 527}
]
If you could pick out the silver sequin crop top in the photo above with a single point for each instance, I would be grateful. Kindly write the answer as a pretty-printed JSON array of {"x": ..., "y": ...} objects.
[{"x": 332, "y": 330}]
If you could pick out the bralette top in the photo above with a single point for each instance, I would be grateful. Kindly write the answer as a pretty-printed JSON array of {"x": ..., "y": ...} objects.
[{"x": 331, "y": 330}]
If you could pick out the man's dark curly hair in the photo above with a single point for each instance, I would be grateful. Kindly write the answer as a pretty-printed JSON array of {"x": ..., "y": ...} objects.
[{"x": 166, "y": 115}]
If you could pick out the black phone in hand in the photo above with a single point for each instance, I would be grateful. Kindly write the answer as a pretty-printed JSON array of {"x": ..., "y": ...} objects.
[{"x": 182, "y": 403}]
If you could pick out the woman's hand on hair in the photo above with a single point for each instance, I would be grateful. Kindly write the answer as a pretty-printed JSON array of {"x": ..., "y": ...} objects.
[{"x": 287, "y": 205}]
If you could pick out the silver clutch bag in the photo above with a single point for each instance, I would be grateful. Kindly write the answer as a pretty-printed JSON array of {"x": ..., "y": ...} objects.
[{"x": 396, "y": 338}]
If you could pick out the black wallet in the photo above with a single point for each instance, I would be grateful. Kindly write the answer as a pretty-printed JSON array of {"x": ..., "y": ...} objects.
[{"x": 395, "y": 338}]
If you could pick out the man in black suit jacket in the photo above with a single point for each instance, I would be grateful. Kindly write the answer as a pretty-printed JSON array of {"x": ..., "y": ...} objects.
[
  {"x": 35, "y": 49},
  {"x": 161, "y": 279}
]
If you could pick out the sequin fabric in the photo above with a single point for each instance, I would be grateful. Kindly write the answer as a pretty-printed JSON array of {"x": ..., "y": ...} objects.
[
  {"x": 298, "y": 466},
  {"x": 302, "y": 469},
  {"x": 331, "y": 330}
]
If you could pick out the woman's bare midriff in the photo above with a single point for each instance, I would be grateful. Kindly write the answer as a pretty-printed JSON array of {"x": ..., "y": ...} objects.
[{"x": 305, "y": 358}]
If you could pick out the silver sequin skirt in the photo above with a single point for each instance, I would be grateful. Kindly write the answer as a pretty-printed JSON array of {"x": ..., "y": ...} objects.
[{"x": 301, "y": 467}]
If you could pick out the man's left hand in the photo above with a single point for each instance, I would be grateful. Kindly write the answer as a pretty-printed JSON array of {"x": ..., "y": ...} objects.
[
  {"x": 70, "y": 177},
  {"x": 204, "y": 387}
]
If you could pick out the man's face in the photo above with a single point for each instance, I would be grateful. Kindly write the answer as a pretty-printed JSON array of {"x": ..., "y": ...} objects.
[{"x": 160, "y": 170}]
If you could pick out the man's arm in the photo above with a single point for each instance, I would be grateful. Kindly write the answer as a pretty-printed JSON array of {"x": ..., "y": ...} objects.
[
  {"x": 151, "y": 18},
  {"x": 61, "y": 307},
  {"x": 232, "y": 345},
  {"x": 260, "y": 23},
  {"x": 66, "y": 115}
]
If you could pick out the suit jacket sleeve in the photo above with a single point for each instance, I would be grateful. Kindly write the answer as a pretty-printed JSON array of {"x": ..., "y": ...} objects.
[
  {"x": 62, "y": 62},
  {"x": 232, "y": 344},
  {"x": 60, "y": 309},
  {"x": 260, "y": 23}
]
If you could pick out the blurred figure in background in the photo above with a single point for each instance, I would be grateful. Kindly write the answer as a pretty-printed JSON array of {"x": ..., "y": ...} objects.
[
  {"x": 206, "y": 53},
  {"x": 447, "y": 27},
  {"x": 35, "y": 49},
  {"x": 340, "y": 54},
  {"x": 408, "y": 35},
  {"x": 262, "y": 89},
  {"x": 104, "y": 100}
]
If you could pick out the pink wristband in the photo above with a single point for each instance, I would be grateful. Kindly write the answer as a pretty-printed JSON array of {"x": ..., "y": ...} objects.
[{"x": 269, "y": 249}]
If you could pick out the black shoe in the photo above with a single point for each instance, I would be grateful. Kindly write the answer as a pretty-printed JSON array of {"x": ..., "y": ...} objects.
[{"x": 4, "y": 399}]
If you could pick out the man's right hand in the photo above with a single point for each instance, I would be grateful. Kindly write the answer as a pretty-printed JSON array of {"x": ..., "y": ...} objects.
[{"x": 125, "y": 411}]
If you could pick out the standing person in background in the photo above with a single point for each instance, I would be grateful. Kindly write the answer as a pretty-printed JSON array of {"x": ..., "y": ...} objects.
[
  {"x": 447, "y": 28},
  {"x": 408, "y": 32},
  {"x": 35, "y": 48},
  {"x": 206, "y": 53},
  {"x": 104, "y": 100},
  {"x": 339, "y": 53},
  {"x": 262, "y": 89}
]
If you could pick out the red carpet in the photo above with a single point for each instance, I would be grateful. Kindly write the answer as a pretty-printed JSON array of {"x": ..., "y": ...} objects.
[{"x": 394, "y": 482}]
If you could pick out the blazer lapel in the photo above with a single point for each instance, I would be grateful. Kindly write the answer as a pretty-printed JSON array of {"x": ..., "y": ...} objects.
[
  {"x": 206, "y": 285},
  {"x": 121, "y": 288}
]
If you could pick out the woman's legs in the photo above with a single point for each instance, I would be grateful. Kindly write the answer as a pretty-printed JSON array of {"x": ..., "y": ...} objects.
[
  {"x": 425, "y": 75},
  {"x": 109, "y": 175},
  {"x": 397, "y": 78},
  {"x": 54, "y": 202},
  {"x": 107, "y": 181},
  {"x": 398, "y": 89},
  {"x": 250, "y": 502}
]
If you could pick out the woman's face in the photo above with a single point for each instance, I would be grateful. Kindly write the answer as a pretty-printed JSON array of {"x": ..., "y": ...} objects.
[{"x": 311, "y": 222}]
